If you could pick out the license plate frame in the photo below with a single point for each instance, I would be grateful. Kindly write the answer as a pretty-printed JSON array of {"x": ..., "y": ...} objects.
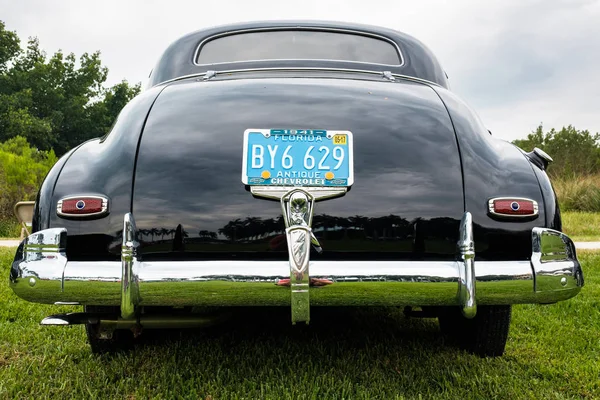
[{"x": 281, "y": 157}]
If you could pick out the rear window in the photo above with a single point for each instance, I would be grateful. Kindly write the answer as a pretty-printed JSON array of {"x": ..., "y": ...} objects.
[{"x": 298, "y": 45}]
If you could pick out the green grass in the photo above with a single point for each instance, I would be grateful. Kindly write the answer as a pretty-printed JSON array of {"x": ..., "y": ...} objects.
[
  {"x": 552, "y": 353},
  {"x": 581, "y": 226}
]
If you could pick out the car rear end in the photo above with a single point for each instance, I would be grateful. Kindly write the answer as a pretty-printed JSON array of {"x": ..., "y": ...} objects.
[{"x": 409, "y": 223}]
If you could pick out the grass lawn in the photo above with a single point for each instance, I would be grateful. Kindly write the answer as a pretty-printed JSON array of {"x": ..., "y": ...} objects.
[
  {"x": 582, "y": 226},
  {"x": 553, "y": 353}
]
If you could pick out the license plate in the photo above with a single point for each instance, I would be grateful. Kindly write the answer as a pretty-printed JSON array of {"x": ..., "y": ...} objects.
[{"x": 294, "y": 157}]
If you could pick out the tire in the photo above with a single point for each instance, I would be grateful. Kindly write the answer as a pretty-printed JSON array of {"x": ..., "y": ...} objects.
[
  {"x": 485, "y": 335},
  {"x": 121, "y": 340}
]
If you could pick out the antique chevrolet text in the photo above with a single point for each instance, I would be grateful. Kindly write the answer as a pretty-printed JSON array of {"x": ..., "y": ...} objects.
[{"x": 296, "y": 164}]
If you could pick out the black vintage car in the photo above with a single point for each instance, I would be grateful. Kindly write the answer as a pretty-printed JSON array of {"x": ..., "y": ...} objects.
[{"x": 296, "y": 164}]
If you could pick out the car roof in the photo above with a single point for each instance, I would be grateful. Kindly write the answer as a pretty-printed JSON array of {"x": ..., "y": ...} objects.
[{"x": 179, "y": 59}]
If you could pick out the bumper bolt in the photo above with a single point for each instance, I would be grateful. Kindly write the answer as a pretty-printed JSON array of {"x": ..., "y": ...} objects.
[{"x": 563, "y": 281}]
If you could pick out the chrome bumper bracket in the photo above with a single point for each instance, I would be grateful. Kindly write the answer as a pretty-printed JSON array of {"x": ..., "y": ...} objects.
[
  {"x": 466, "y": 282},
  {"x": 129, "y": 283},
  {"x": 297, "y": 207}
]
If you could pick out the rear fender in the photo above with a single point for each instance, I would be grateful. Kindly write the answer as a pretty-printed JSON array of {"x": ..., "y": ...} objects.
[
  {"x": 494, "y": 168},
  {"x": 105, "y": 167}
]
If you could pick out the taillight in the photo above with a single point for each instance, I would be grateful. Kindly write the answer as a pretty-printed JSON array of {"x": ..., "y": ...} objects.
[
  {"x": 513, "y": 207},
  {"x": 82, "y": 206}
]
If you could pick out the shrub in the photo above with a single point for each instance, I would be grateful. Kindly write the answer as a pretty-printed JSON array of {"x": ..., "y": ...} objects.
[
  {"x": 578, "y": 193},
  {"x": 9, "y": 228},
  {"x": 22, "y": 170}
]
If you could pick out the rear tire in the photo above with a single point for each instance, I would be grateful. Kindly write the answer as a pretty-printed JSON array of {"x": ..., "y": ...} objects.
[
  {"x": 121, "y": 339},
  {"x": 484, "y": 335}
]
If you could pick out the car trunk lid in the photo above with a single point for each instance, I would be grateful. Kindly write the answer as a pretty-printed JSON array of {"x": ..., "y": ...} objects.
[{"x": 406, "y": 202}]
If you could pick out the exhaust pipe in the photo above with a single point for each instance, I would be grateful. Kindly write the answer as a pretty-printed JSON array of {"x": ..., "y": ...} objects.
[{"x": 108, "y": 322}]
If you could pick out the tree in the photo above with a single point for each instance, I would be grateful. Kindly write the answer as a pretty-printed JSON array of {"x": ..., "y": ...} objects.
[
  {"x": 22, "y": 169},
  {"x": 575, "y": 152},
  {"x": 55, "y": 102},
  {"x": 9, "y": 47}
]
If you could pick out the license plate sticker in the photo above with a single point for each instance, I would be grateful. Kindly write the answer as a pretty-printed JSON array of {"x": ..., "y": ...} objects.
[{"x": 295, "y": 157}]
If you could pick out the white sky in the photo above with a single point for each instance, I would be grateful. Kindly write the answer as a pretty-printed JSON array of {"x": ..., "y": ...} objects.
[{"x": 518, "y": 63}]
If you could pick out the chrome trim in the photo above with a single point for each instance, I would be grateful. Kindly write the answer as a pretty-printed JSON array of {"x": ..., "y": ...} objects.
[
  {"x": 555, "y": 261},
  {"x": 298, "y": 238},
  {"x": 68, "y": 319},
  {"x": 209, "y": 74},
  {"x": 277, "y": 192},
  {"x": 543, "y": 154},
  {"x": 466, "y": 283},
  {"x": 41, "y": 273},
  {"x": 291, "y": 215},
  {"x": 42, "y": 261},
  {"x": 253, "y": 283},
  {"x": 494, "y": 213},
  {"x": 300, "y": 69},
  {"x": 298, "y": 28},
  {"x": 55, "y": 320},
  {"x": 104, "y": 210},
  {"x": 297, "y": 208},
  {"x": 144, "y": 321},
  {"x": 389, "y": 76},
  {"x": 129, "y": 284}
]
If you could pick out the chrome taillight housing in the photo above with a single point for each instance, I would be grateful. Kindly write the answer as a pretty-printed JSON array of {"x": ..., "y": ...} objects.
[
  {"x": 513, "y": 207},
  {"x": 82, "y": 206}
]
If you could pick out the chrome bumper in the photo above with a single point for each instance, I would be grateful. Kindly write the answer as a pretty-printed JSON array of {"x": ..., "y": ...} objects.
[{"x": 41, "y": 273}]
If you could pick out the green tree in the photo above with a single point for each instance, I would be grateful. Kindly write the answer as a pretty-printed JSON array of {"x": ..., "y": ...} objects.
[
  {"x": 575, "y": 152},
  {"x": 55, "y": 102},
  {"x": 9, "y": 47},
  {"x": 22, "y": 170}
]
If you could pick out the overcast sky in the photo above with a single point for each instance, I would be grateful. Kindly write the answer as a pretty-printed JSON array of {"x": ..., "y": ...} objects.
[{"x": 518, "y": 63}]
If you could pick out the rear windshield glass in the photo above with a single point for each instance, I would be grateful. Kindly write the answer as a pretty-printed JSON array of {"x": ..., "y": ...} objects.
[{"x": 298, "y": 45}]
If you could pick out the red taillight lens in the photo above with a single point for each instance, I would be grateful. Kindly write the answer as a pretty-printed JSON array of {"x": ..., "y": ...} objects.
[
  {"x": 513, "y": 207},
  {"x": 83, "y": 206}
]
